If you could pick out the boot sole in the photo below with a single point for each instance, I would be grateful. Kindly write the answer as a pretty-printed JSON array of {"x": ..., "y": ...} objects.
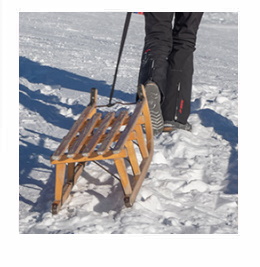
[{"x": 154, "y": 103}]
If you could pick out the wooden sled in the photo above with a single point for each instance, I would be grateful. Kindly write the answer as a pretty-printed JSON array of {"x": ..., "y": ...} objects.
[{"x": 93, "y": 138}]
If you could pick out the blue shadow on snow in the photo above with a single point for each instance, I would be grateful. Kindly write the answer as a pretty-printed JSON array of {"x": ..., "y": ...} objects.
[
  {"x": 35, "y": 72},
  {"x": 229, "y": 132}
]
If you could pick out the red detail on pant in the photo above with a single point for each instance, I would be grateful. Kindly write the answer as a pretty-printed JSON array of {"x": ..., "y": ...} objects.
[
  {"x": 181, "y": 106},
  {"x": 147, "y": 50}
]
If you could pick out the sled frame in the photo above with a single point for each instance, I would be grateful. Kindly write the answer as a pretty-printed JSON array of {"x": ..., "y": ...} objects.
[{"x": 117, "y": 138}]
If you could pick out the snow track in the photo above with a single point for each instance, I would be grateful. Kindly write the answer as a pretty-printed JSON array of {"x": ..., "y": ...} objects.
[{"x": 192, "y": 184}]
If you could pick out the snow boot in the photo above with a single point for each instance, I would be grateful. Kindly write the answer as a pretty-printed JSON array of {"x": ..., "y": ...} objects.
[
  {"x": 153, "y": 95},
  {"x": 170, "y": 126}
]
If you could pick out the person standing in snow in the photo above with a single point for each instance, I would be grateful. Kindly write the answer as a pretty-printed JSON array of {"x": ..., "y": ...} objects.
[{"x": 167, "y": 67}]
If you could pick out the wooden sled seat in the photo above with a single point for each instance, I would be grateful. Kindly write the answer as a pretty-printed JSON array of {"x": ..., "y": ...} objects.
[{"x": 94, "y": 137}]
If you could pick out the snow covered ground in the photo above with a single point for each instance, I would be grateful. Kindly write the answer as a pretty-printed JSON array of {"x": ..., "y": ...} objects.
[{"x": 192, "y": 185}]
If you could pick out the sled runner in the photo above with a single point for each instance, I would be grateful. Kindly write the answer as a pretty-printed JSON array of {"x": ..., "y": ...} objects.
[{"x": 94, "y": 137}]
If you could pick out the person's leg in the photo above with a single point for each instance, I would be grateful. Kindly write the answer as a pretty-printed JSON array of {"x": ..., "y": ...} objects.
[
  {"x": 154, "y": 63},
  {"x": 176, "y": 105},
  {"x": 157, "y": 48}
]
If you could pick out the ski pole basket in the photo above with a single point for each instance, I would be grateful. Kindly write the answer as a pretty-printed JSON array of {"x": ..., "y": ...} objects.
[{"x": 97, "y": 138}]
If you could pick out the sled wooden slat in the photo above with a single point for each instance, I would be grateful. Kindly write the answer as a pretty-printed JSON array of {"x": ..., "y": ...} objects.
[
  {"x": 93, "y": 138},
  {"x": 109, "y": 154},
  {"x": 72, "y": 133},
  {"x": 120, "y": 143},
  {"x": 98, "y": 134},
  {"x": 76, "y": 147},
  {"x": 111, "y": 135},
  {"x": 87, "y": 113}
]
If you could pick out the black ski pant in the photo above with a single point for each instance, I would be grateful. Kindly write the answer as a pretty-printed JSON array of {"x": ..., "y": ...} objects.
[{"x": 168, "y": 59}]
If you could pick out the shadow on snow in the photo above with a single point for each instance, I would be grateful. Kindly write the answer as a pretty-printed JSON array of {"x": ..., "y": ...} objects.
[
  {"x": 229, "y": 132},
  {"x": 35, "y": 72}
]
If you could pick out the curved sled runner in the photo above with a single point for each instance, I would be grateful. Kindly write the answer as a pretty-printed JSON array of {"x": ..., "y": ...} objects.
[{"x": 93, "y": 138}]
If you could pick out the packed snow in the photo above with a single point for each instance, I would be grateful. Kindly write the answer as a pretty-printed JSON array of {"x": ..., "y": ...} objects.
[{"x": 192, "y": 183}]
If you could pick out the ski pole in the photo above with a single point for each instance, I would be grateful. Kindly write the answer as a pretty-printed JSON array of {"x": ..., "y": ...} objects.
[{"x": 127, "y": 21}]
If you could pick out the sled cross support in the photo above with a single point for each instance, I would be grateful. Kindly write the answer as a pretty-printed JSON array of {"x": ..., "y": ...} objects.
[{"x": 122, "y": 138}]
